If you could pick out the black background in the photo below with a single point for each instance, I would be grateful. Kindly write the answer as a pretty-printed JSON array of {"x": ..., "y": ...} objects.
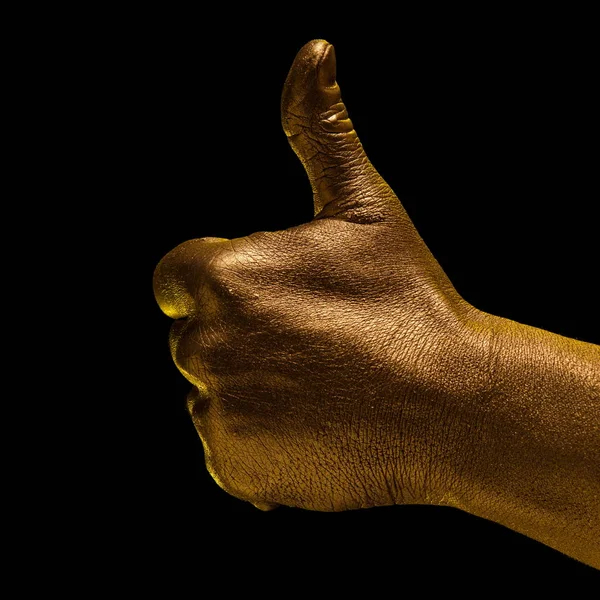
[{"x": 483, "y": 127}]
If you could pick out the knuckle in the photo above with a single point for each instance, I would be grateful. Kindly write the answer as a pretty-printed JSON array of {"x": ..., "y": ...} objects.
[
  {"x": 179, "y": 276},
  {"x": 199, "y": 351},
  {"x": 218, "y": 276}
]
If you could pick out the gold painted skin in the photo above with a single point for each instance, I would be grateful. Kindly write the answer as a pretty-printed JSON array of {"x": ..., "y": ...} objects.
[{"x": 335, "y": 366}]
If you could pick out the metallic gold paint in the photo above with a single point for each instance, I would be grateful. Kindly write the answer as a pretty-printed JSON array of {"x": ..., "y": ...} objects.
[{"x": 336, "y": 367}]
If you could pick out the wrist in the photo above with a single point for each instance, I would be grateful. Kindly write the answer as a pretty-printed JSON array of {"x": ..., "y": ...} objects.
[
  {"x": 442, "y": 408},
  {"x": 534, "y": 461},
  {"x": 469, "y": 374}
]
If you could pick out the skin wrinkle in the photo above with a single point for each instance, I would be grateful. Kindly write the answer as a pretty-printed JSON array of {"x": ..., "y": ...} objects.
[{"x": 337, "y": 367}]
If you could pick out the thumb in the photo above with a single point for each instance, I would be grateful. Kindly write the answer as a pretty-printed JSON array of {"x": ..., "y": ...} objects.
[{"x": 345, "y": 184}]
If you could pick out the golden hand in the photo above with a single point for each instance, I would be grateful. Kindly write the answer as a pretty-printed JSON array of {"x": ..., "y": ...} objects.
[
  {"x": 316, "y": 349},
  {"x": 335, "y": 366}
]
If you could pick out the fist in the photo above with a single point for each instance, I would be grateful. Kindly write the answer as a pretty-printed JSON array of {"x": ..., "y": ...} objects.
[{"x": 330, "y": 360}]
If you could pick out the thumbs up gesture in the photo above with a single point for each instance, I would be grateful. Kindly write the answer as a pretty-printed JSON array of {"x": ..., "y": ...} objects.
[{"x": 332, "y": 363}]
